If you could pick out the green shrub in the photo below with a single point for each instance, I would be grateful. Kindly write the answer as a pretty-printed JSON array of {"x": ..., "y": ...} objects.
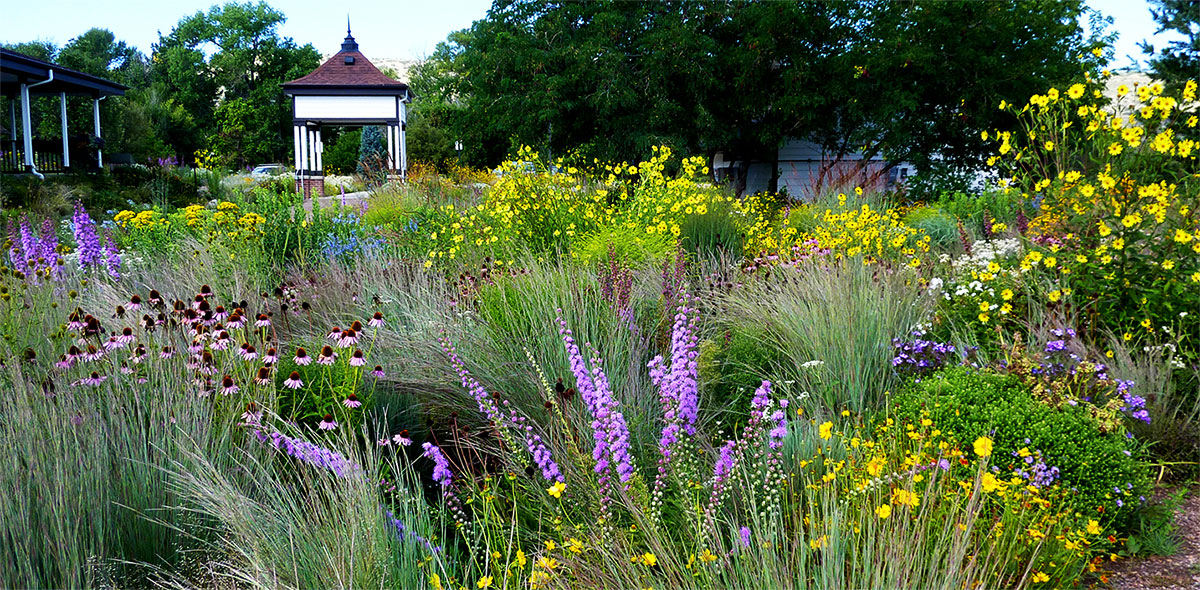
[
  {"x": 717, "y": 231},
  {"x": 732, "y": 366},
  {"x": 941, "y": 228},
  {"x": 630, "y": 244},
  {"x": 971, "y": 404}
]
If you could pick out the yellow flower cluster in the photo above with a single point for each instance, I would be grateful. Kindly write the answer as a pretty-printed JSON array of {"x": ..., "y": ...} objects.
[
  {"x": 545, "y": 209},
  {"x": 864, "y": 232}
]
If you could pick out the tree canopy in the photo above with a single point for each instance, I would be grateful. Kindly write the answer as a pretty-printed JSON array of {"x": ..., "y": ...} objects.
[{"x": 901, "y": 78}]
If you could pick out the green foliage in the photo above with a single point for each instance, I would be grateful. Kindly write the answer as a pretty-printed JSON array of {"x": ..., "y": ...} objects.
[
  {"x": 1179, "y": 61},
  {"x": 372, "y": 149},
  {"x": 834, "y": 324},
  {"x": 971, "y": 404},
  {"x": 631, "y": 244},
  {"x": 732, "y": 365},
  {"x": 718, "y": 232},
  {"x": 341, "y": 157},
  {"x": 971, "y": 208},
  {"x": 613, "y": 80},
  {"x": 940, "y": 227}
]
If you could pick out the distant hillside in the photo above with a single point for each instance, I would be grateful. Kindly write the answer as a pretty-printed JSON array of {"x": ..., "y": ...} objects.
[{"x": 399, "y": 66}]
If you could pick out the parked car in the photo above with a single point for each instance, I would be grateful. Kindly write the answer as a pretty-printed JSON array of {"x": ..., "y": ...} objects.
[{"x": 266, "y": 171}]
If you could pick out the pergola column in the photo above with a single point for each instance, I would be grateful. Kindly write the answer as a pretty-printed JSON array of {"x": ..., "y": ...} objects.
[
  {"x": 62, "y": 103},
  {"x": 96, "y": 131},
  {"x": 26, "y": 128}
]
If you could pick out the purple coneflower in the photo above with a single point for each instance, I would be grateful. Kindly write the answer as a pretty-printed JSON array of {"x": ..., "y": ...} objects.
[
  {"x": 271, "y": 357},
  {"x": 302, "y": 357},
  {"x": 94, "y": 379},
  {"x": 195, "y": 347},
  {"x": 155, "y": 298},
  {"x": 327, "y": 356},
  {"x": 264, "y": 376},
  {"x": 357, "y": 359},
  {"x": 93, "y": 354},
  {"x": 377, "y": 372},
  {"x": 335, "y": 334},
  {"x": 135, "y": 302},
  {"x": 249, "y": 353},
  {"x": 293, "y": 381},
  {"x": 328, "y": 423},
  {"x": 263, "y": 321},
  {"x": 351, "y": 401},
  {"x": 236, "y": 321},
  {"x": 228, "y": 387},
  {"x": 376, "y": 320},
  {"x": 64, "y": 362},
  {"x": 402, "y": 439},
  {"x": 349, "y": 338},
  {"x": 222, "y": 341},
  {"x": 113, "y": 343},
  {"x": 139, "y": 354},
  {"x": 253, "y": 414}
]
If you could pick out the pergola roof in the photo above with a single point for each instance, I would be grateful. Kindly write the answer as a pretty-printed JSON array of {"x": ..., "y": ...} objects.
[
  {"x": 347, "y": 72},
  {"x": 17, "y": 68}
]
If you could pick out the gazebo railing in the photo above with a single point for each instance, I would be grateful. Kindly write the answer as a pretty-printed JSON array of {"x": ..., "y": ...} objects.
[{"x": 12, "y": 158}]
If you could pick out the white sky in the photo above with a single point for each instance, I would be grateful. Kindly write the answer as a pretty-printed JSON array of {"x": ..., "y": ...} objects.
[{"x": 396, "y": 29}]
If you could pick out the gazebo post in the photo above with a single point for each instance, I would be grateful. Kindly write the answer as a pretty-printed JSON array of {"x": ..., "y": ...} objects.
[
  {"x": 96, "y": 126},
  {"x": 298, "y": 164},
  {"x": 26, "y": 128},
  {"x": 62, "y": 103}
]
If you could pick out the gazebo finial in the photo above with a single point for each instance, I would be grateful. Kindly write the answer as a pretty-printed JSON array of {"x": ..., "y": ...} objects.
[{"x": 349, "y": 44}]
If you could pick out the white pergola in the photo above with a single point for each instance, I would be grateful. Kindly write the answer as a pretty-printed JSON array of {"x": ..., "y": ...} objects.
[
  {"x": 23, "y": 77},
  {"x": 346, "y": 90}
]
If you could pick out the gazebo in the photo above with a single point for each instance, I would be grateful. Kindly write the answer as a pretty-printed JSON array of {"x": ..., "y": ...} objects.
[
  {"x": 21, "y": 77},
  {"x": 346, "y": 90}
]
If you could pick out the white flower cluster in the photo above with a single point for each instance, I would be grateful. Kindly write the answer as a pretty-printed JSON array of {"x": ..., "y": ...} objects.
[{"x": 985, "y": 251}]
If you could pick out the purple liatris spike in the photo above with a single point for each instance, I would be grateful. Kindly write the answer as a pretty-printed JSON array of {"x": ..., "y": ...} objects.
[
  {"x": 609, "y": 430},
  {"x": 49, "y": 240},
  {"x": 312, "y": 454},
  {"x": 112, "y": 256},
  {"x": 541, "y": 456},
  {"x": 86, "y": 239},
  {"x": 441, "y": 465}
]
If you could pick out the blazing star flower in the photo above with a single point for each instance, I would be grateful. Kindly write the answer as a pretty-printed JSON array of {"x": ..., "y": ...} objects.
[
  {"x": 376, "y": 320},
  {"x": 744, "y": 533},
  {"x": 328, "y": 423},
  {"x": 311, "y": 454},
  {"x": 441, "y": 465},
  {"x": 302, "y": 357},
  {"x": 351, "y": 401},
  {"x": 293, "y": 381},
  {"x": 357, "y": 359},
  {"x": 228, "y": 387}
]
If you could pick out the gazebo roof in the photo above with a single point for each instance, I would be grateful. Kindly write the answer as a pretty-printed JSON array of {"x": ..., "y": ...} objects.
[
  {"x": 16, "y": 68},
  {"x": 347, "y": 72}
]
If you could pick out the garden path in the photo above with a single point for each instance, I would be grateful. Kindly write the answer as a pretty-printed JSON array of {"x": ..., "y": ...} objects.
[
  {"x": 348, "y": 199},
  {"x": 1178, "y": 571}
]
